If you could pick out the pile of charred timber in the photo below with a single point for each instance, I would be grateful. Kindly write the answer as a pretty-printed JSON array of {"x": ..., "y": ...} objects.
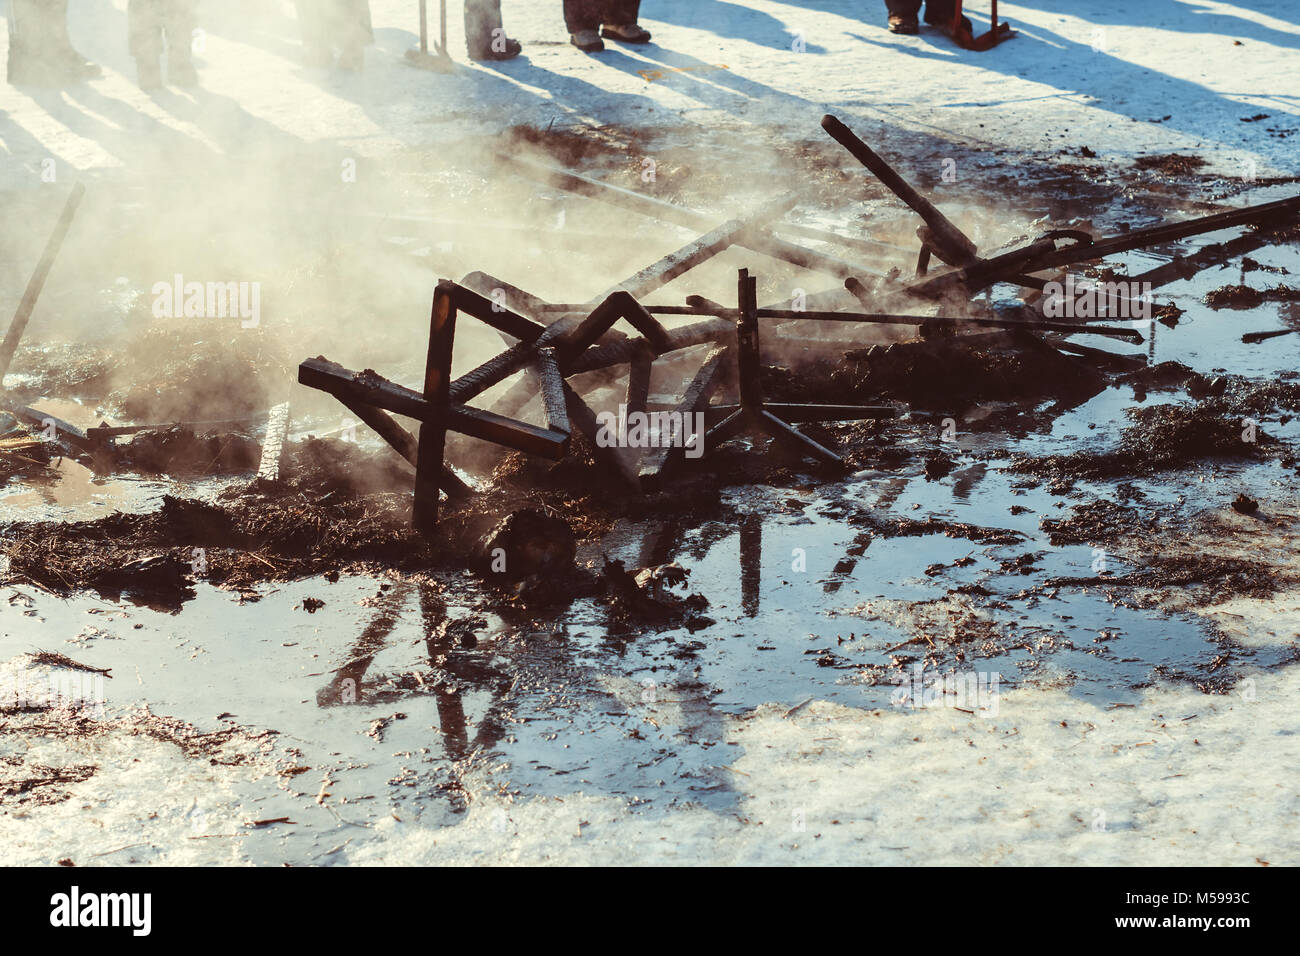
[
  {"x": 565, "y": 348},
  {"x": 556, "y": 341}
]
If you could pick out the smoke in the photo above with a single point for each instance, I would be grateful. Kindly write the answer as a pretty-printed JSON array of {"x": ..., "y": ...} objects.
[{"x": 342, "y": 198}]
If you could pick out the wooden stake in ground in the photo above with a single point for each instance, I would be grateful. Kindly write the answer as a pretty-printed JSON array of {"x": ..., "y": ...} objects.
[
  {"x": 437, "y": 382},
  {"x": 276, "y": 427},
  {"x": 37, "y": 281}
]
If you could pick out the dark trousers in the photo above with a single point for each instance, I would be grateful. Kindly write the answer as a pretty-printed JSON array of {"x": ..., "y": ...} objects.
[
  {"x": 149, "y": 21},
  {"x": 590, "y": 14},
  {"x": 335, "y": 25},
  {"x": 39, "y": 28},
  {"x": 934, "y": 9},
  {"x": 482, "y": 18}
]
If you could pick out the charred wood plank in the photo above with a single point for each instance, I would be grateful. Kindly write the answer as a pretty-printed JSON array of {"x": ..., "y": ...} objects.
[
  {"x": 946, "y": 238},
  {"x": 437, "y": 383},
  {"x": 1264, "y": 213},
  {"x": 498, "y": 316},
  {"x": 618, "y": 305},
  {"x": 638, "y": 380},
  {"x": 277, "y": 425},
  {"x": 55, "y": 429},
  {"x": 552, "y": 388},
  {"x": 517, "y": 299},
  {"x": 371, "y": 388},
  {"x": 36, "y": 283}
]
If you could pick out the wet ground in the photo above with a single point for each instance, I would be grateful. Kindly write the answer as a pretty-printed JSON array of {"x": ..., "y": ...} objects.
[{"x": 296, "y": 715}]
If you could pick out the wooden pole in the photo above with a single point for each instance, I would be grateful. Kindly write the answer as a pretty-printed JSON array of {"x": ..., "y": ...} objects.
[
  {"x": 747, "y": 361},
  {"x": 37, "y": 282},
  {"x": 946, "y": 239},
  {"x": 437, "y": 382}
]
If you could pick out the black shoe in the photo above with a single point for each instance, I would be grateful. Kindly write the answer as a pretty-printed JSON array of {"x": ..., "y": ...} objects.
[
  {"x": 588, "y": 41},
  {"x": 905, "y": 25},
  {"x": 626, "y": 33},
  {"x": 510, "y": 50}
]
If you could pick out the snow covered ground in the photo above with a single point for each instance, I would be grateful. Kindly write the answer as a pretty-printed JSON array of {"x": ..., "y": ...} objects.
[{"x": 1119, "y": 77}]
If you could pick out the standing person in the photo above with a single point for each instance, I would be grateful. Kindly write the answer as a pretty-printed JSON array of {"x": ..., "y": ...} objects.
[
  {"x": 938, "y": 13},
  {"x": 335, "y": 28},
  {"x": 485, "y": 37},
  {"x": 148, "y": 24},
  {"x": 40, "y": 52},
  {"x": 618, "y": 18}
]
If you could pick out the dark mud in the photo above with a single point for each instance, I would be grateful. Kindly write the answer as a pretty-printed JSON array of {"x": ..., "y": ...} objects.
[{"x": 1162, "y": 438}]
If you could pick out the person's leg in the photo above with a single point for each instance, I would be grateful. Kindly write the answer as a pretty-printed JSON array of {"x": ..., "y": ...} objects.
[
  {"x": 40, "y": 51},
  {"x": 485, "y": 35},
  {"x": 902, "y": 16},
  {"x": 179, "y": 23},
  {"x": 939, "y": 11},
  {"x": 316, "y": 50},
  {"x": 144, "y": 41},
  {"x": 620, "y": 22},
  {"x": 354, "y": 33}
]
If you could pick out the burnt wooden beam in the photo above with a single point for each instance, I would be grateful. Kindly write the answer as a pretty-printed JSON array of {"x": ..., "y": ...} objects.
[
  {"x": 552, "y": 388},
  {"x": 1261, "y": 214},
  {"x": 944, "y": 322},
  {"x": 638, "y": 380},
  {"x": 370, "y": 388},
  {"x": 437, "y": 384},
  {"x": 980, "y": 273},
  {"x": 748, "y": 362},
  {"x": 660, "y": 460},
  {"x": 1184, "y": 267},
  {"x": 727, "y": 429},
  {"x": 496, "y": 315},
  {"x": 521, "y": 436},
  {"x": 277, "y": 425},
  {"x": 945, "y": 237},
  {"x": 517, "y": 299},
  {"x": 26, "y": 305},
  {"x": 1112, "y": 360},
  {"x": 67, "y": 435},
  {"x": 494, "y": 371},
  {"x": 683, "y": 260},
  {"x": 618, "y": 305},
  {"x": 697, "y": 333}
]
